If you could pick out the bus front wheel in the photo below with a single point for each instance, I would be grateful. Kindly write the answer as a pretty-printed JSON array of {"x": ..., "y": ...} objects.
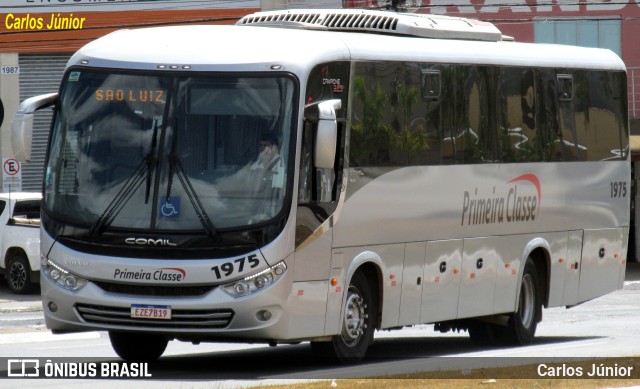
[
  {"x": 357, "y": 326},
  {"x": 138, "y": 347}
]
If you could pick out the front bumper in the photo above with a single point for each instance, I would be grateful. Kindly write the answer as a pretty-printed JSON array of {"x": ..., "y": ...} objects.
[{"x": 212, "y": 315}]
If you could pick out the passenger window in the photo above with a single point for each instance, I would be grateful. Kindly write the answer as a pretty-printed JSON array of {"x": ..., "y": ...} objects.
[{"x": 397, "y": 114}]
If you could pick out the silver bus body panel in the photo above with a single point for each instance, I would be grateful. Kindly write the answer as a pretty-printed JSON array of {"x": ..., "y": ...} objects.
[
  {"x": 423, "y": 218},
  {"x": 463, "y": 290},
  {"x": 602, "y": 250},
  {"x": 431, "y": 205},
  {"x": 440, "y": 288}
]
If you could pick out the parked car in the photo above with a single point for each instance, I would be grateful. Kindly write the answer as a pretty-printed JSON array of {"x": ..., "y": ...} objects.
[{"x": 20, "y": 240}]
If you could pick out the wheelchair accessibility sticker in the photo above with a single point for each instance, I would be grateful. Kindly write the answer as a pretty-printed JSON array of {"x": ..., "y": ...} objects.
[{"x": 169, "y": 206}]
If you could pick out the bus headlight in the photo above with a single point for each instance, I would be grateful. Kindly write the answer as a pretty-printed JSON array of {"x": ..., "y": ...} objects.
[
  {"x": 61, "y": 276},
  {"x": 256, "y": 282}
]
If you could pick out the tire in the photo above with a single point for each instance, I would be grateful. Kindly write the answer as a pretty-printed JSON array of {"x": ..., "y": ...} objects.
[
  {"x": 357, "y": 327},
  {"x": 138, "y": 347},
  {"x": 522, "y": 324},
  {"x": 19, "y": 274}
]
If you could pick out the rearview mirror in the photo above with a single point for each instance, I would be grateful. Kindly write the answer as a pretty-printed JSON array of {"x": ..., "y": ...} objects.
[
  {"x": 22, "y": 126},
  {"x": 327, "y": 135}
]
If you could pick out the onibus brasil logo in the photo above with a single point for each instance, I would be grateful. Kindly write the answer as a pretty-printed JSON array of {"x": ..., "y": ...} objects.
[{"x": 517, "y": 201}]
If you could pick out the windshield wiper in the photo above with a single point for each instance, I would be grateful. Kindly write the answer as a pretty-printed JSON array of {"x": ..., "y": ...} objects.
[
  {"x": 150, "y": 159},
  {"x": 175, "y": 167},
  {"x": 120, "y": 199},
  {"x": 128, "y": 189}
]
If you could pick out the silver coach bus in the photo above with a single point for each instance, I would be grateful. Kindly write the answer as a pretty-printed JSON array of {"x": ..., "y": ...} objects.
[{"x": 334, "y": 174}]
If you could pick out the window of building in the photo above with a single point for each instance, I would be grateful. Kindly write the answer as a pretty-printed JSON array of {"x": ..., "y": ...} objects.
[{"x": 604, "y": 34}]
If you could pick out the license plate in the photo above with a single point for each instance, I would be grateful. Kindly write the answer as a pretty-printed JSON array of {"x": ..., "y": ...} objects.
[{"x": 160, "y": 312}]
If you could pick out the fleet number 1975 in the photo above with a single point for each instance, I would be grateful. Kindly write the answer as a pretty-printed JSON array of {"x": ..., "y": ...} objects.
[
  {"x": 618, "y": 189},
  {"x": 228, "y": 268}
]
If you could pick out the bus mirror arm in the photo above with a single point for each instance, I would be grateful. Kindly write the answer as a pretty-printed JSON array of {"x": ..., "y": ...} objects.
[
  {"x": 327, "y": 135},
  {"x": 22, "y": 126}
]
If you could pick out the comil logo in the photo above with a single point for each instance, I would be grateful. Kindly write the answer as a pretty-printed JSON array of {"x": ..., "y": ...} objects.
[
  {"x": 150, "y": 242},
  {"x": 517, "y": 201}
]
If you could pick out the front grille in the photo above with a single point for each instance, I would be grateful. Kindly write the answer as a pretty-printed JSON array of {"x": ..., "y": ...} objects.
[
  {"x": 154, "y": 290},
  {"x": 180, "y": 318}
]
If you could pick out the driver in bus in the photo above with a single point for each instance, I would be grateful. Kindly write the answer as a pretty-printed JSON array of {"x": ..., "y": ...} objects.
[{"x": 268, "y": 154}]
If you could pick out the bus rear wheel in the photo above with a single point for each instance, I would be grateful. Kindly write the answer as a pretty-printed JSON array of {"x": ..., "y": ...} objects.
[
  {"x": 357, "y": 327},
  {"x": 522, "y": 324},
  {"x": 138, "y": 347}
]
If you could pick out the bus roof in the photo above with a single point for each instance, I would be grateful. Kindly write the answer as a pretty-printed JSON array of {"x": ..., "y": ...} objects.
[{"x": 248, "y": 48}]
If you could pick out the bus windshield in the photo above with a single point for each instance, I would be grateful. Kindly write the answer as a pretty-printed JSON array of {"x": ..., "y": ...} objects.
[{"x": 170, "y": 152}]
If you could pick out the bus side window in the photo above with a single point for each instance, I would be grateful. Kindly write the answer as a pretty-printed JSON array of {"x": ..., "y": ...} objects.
[
  {"x": 318, "y": 185},
  {"x": 318, "y": 189},
  {"x": 572, "y": 149},
  {"x": 305, "y": 183},
  {"x": 321, "y": 175}
]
